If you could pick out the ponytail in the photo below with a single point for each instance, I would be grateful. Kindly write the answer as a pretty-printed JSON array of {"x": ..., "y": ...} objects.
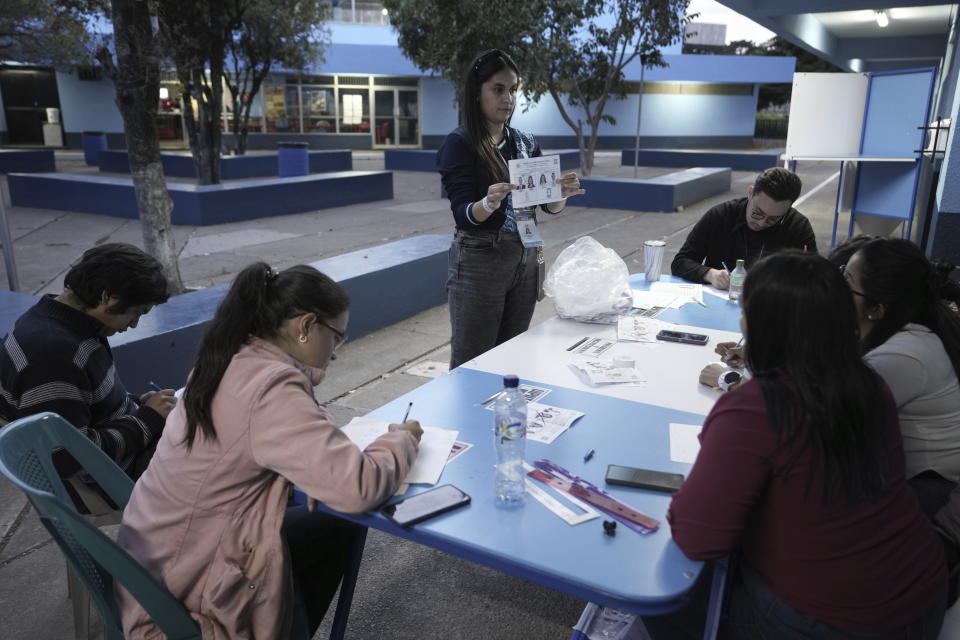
[{"x": 258, "y": 303}]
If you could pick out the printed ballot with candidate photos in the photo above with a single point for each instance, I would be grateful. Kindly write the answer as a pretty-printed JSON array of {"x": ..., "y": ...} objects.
[{"x": 536, "y": 180}]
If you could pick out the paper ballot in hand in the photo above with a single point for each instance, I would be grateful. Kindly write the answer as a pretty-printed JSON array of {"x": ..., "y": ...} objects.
[{"x": 435, "y": 446}]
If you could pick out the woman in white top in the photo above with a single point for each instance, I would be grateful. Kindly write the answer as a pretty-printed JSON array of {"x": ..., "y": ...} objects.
[{"x": 912, "y": 340}]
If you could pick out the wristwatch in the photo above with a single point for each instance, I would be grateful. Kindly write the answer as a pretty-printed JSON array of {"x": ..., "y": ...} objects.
[{"x": 728, "y": 379}]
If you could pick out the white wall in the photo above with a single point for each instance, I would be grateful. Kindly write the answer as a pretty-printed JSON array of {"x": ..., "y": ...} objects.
[{"x": 87, "y": 105}]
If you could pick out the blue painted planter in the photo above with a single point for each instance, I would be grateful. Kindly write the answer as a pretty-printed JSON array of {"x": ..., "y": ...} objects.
[{"x": 93, "y": 143}]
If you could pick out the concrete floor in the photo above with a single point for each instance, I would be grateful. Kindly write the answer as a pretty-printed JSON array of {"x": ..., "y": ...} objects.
[{"x": 405, "y": 590}]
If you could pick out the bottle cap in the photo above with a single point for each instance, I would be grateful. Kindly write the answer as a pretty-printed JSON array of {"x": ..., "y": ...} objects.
[
  {"x": 510, "y": 382},
  {"x": 739, "y": 263}
]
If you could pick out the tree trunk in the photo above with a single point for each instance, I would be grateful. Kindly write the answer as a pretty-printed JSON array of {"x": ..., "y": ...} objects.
[
  {"x": 136, "y": 78},
  {"x": 586, "y": 161}
]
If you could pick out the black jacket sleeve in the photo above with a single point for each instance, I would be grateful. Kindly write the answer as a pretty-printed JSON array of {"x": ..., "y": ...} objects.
[
  {"x": 688, "y": 263},
  {"x": 456, "y": 162}
]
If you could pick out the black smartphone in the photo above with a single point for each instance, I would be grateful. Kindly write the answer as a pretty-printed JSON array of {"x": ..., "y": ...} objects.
[
  {"x": 425, "y": 505},
  {"x": 682, "y": 336},
  {"x": 643, "y": 478}
]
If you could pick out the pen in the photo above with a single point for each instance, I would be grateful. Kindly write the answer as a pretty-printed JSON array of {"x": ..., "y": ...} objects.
[
  {"x": 740, "y": 341},
  {"x": 725, "y": 267},
  {"x": 488, "y": 399},
  {"x": 589, "y": 455},
  {"x": 407, "y": 414},
  {"x": 576, "y": 344},
  {"x": 155, "y": 386}
]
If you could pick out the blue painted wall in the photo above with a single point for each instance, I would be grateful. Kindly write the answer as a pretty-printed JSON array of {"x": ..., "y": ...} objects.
[
  {"x": 948, "y": 191},
  {"x": 662, "y": 115},
  {"x": 87, "y": 105},
  {"x": 697, "y": 68},
  {"x": 438, "y": 114}
]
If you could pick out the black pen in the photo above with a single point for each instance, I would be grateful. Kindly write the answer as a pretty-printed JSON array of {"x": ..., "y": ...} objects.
[
  {"x": 407, "y": 414},
  {"x": 589, "y": 455},
  {"x": 576, "y": 344}
]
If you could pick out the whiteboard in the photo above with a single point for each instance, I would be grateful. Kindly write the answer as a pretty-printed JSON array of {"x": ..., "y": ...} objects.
[{"x": 826, "y": 114}]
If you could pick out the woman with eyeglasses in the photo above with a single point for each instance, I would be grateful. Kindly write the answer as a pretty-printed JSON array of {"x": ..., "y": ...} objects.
[
  {"x": 912, "y": 339},
  {"x": 211, "y": 517},
  {"x": 802, "y": 470},
  {"x": 494, "y": 277}
]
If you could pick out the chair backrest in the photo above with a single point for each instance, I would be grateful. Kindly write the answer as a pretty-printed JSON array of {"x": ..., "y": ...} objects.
[{"x": 26, "y": 452}]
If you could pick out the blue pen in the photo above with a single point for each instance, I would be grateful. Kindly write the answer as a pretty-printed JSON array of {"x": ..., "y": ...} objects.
[
  {"x": 589, "y": 455},
  {"x": 155, "y": 386},
  {"x": 725, "y": 267}
]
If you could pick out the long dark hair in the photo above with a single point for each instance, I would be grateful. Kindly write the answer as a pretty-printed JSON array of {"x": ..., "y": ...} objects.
[
  {"x": 486, "y": 64},
  {"x": 258, "y": 303},
  {"x": 804, "y": 354},
  {"x": 897, "y": 275}
]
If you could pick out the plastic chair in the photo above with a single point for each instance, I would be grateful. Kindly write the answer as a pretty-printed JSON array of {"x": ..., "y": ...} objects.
[{"x": 26, "y": 458}]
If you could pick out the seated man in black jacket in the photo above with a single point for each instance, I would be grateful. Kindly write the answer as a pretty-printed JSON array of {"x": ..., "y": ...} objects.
[
  {"x": 745, "y": 229},
  {"x": 56, "y": 357}
]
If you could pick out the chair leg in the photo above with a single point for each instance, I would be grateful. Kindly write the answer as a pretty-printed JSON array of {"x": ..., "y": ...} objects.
[
  {"x": 80, "y": 602},
  {"x": 339, "y": 626}
]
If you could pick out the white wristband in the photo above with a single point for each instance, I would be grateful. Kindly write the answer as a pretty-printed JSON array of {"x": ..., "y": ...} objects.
[{"x": 486, "y": 205}]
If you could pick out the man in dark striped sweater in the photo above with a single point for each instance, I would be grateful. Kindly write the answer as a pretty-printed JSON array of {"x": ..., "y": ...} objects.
[{"x": 57, "y": 357}]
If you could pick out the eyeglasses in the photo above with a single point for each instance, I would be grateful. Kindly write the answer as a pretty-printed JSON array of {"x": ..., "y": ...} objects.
[
  {"x": 771, "y": 221},
  {"x": 849, "y": 279},
  {"x": 339, "y": 337}
]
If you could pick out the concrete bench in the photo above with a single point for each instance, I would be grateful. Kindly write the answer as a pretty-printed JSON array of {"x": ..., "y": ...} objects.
[
  {"x": 202, "y": 205},
  {"x": 27, "y": 160},
  {"x": 426, "y": 159},
  {"x": 736, "y": 160},
  {"x": 386, "y": 284},
  {"x": 231, "y": 167},
  {"x": 663, "y": 193}
]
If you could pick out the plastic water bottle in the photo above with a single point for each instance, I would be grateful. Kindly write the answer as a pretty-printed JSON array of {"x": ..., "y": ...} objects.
[
  {"x": 510, "y": 433},
  {"x": 737, "y": 276}
]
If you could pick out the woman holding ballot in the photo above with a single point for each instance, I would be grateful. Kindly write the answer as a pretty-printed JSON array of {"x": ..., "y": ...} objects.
[
  {"x": 494, "y": 276},
  {"x": 802, "y": 470},
  {"x": 210, "y": 517}
]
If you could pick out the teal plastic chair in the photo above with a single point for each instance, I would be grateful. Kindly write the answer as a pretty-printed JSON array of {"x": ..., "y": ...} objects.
[{"x": 26, "y": 458}]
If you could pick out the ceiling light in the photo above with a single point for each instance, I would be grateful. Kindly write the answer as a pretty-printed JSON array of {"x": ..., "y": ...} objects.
[
  {"x": 384, "y": 11},
  {"x": 882, "y": 19}
]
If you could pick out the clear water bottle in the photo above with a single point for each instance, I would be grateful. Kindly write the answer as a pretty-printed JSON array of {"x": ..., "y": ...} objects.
[
  {"x": 737, "y": 276},
  {"x": 510, "y": 433}
]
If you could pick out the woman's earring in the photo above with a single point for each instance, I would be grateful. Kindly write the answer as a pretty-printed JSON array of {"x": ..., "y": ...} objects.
[{"x": 303, "y": 338}]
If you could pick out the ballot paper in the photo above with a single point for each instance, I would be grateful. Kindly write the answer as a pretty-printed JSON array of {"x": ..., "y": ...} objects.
[
  {"x": 687, "y": 291},
  {"x": 458, "y": 448},
  {"x": 545, "y": 423},
  {"x": 720, "y": 293},
  {"x": 590, "y": 347},
  {"x": 637, "y": 329},
  {"x": 599, "y": 371},
  {"x": 536, "y": 179},
  {"x": 653, "y": 299},
  {"x": 684, "y": 442},
  {"x": 435, "y": 446}
]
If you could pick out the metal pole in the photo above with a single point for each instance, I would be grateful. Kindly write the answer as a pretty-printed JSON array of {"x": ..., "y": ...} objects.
[
  {"x": 6, "y": 242},
  {"x": 636, "y": 149}
]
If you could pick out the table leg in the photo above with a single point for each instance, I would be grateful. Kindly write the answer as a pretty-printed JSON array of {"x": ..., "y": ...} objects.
[
  {"x": 339, "y": 626},
  {"x": 837, "y": 207},
  {"x": 718, "y": 585}
]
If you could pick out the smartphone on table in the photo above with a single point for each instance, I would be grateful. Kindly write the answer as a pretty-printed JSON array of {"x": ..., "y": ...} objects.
[
  {"x": 643, "y": 478},
  {"x": 421, "y": 506},
  {"x": 683, "y": 336}
]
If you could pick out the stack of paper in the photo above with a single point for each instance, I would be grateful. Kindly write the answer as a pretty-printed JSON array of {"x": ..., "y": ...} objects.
[
  {"x": 435, "y": 447},
  {"x": 685, "y": 291},
  {"x": 597, "y": 372},
  {"x": 636, "y": 329}
]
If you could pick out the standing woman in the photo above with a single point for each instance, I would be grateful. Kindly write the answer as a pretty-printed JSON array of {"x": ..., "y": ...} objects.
[{"x": 494, "y": 280}]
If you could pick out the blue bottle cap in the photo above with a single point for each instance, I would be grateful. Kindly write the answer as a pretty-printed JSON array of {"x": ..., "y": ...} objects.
[{"x": 511, "y": 382}]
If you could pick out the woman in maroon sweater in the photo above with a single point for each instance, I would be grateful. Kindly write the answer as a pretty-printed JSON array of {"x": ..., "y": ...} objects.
[{"x": 802, "y": 469}]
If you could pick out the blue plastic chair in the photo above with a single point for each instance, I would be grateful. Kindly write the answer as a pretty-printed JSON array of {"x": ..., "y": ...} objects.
[{"x": 26, "y": 458}]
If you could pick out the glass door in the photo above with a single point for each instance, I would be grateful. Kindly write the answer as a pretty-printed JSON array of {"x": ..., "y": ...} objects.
[{"x": 396, "y": 118}]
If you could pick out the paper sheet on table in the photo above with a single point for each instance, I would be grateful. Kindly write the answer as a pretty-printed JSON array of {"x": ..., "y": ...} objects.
[
  {"x": 720, "y": 293},
  {"x": 435, "y": 446},
  {"x": 638, "y": 329},
  {"x": 652, "y": 299},
  {"x": 686, "y": 290},
  {"x": 684, "y": 443},
  {"x": 546, "y": 423},
  {"x": 598, "y": 372}
]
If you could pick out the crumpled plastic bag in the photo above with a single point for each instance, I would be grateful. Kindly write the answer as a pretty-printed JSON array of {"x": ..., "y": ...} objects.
[{"x": 589, "y": 282}]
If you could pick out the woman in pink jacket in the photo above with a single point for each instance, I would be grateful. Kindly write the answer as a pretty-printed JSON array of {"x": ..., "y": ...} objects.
[{"x": 210, "y": 517}]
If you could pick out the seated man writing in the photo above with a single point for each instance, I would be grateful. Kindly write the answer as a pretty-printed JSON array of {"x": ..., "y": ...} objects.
[
  {"x": 57, "y": 357},
  {"x": 745, "y": 229}
]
